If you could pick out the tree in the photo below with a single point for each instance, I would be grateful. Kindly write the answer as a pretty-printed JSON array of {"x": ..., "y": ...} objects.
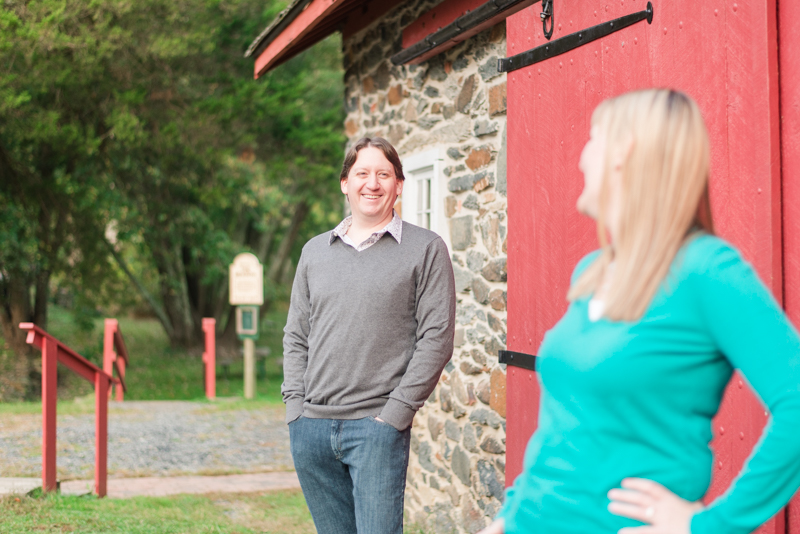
[{"x": 136, "y": 129}]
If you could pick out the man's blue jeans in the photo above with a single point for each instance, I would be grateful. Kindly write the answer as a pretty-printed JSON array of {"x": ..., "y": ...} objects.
[{"x": 353, "y": 473}]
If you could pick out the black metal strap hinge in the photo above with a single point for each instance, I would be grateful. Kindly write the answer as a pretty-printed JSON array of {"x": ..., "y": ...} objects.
[
  {"x": 573, "y": 41},
  {"x": 517, "y": 359}
]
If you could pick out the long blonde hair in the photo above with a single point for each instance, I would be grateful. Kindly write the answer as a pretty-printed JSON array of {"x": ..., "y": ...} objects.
[{"x": 664, "y": 196}]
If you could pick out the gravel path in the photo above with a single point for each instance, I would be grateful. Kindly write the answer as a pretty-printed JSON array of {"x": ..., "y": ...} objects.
[{"x": 153, "y": 438}]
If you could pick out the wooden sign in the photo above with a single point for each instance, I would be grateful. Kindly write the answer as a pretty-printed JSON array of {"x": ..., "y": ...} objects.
[{"x": 246, "y": 281}]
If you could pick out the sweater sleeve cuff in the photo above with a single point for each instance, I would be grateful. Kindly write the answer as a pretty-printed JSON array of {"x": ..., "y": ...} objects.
[
  {"x": 294, "y": 409},
  {"x": 708, "y": 521},
  {"x": 397, "y": 414}
]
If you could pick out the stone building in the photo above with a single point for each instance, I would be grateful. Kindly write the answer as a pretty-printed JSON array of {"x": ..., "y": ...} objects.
[{"x": 446, "y": 115}]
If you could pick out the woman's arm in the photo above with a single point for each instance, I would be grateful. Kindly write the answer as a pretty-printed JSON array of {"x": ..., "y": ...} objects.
[{"x": 755, "y": 335}]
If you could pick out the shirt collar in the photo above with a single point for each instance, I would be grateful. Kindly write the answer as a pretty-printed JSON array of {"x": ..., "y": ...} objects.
[{"x": 394, "y": 228}]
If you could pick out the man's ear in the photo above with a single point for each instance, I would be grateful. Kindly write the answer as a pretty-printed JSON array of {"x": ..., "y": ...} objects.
[
  {"x": 343, "y": 185},
  {"x": 400, "y": 187}
]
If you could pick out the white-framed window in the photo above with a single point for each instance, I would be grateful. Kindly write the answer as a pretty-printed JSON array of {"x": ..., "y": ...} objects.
[{"x": 424, "y": 192}]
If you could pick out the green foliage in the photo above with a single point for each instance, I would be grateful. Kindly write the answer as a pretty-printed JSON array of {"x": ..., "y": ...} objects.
[{"x": 139, "y": 123}]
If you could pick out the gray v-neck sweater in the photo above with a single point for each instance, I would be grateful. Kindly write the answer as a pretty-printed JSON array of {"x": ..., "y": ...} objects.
[{"x": 368, "y": 332}]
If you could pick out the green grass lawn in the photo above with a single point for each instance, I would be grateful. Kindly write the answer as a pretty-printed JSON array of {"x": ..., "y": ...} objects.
[
  {"x": 278, "y": 512},
  {"x": 158, "y": 371}
]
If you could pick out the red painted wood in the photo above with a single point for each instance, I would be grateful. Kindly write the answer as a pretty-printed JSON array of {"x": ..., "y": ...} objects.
[
  {"x": 300, "y": 26},
  {"x": 54, "y": 352},
  {"x": 725, "y": 56},
  {"x": 446, "y": 13},
  {"x": 49, "y": 379},
  {"x": 789, "y": 40},
  {"x": 101, "y": 391},
  {"x": 437, "y": 18},
  {"x": 210, "y": 357}
]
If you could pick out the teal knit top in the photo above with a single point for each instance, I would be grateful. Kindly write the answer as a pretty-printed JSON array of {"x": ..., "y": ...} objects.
[{"x": 636, "y": 399}]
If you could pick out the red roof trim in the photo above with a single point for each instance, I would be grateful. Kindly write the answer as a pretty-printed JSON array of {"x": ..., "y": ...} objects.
[
  {"x": 312, "y": 15},
  {"x": 437, "y": 18}
]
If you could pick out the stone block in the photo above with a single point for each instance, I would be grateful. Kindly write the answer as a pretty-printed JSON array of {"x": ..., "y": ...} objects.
[
  {"x": 434, "y": 483},
  {"x": 396, "y": 133},
  {"x": 351, "y": 127},
  {"x": 461, "y": 234},
  {"x": 485, "y": 128},
  {"x": 465, "y": 95},
  {"x": 461, "y": 465},
  {"x": 429, "y": 121},
  {"x": 436, "y": 107},
  {"x": 368, "y": 84},
  {"x": 479, "y": 357},
  {"x": 411, "y": 112},
  {"x": 492, "y": 445},
  {"x": 488, "y": 69},
  {"x": 446, "y": 399},
  {"x": 459, "y": 388},
  {"x": 395, "y": 95},
  {"x": 466, "y": 313},
  {"x": 473, "y": 519},
  {"x": 475, "y": 261},
  {"x": 497, "y": 99},
  {"x": 490, "y": 233},
  {"x": 486, "y": 417},
  {"x": 453, "y": 153},
  {"x": 431, "y": 91},
  {"x": 440, "y": 518},
  {"x": 450, "y": 205},
  {"x": 449, "y": 111},
  {"x": 435, "y": 426},
  {"x": 459, "y": 338},
  {"x": 469, "y": 368},
  {"x": 424, "y": 457},
  {"x": 463, "y": 279},
  {"x": 479, "y": 157},
  {"x": 493, "y": 345},
  {"x": 471, "y": 202},
  {"x": 466, "y": 182},
  {"x": 497, "y": 299},
  {"x": 382, "y": 76},
  {"x": 495, "y": 270},
  {"x": 491, "y": 481},
  {"x": 494, "y": 322},
  {"x": 497, "y": 400},
  {"x": 480, "y": 290},
  {"x": 470, "y": 440},
  {"x": 452, "y": 430},
  {"x": 484, "y": 391}
]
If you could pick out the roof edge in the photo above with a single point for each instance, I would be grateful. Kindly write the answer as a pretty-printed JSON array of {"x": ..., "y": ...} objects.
[{"x": 280, "y": 23}]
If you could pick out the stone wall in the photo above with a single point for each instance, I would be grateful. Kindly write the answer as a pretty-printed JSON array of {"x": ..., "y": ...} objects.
[{"x": 456, "y": 102}]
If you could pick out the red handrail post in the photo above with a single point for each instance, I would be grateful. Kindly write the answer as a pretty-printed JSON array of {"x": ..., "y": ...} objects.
[
  {"x": 101, "y": 393},
  {"x": 49, "y": 380},
  {"x": 210, "y": 357},
  {"x": 112, "y": 344}
]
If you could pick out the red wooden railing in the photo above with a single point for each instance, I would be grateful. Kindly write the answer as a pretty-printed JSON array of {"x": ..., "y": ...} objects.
[
  {"x": 115, "y": 356},
  {"x": 210, "y": 357},
  {"x": 53, "y": 352}
]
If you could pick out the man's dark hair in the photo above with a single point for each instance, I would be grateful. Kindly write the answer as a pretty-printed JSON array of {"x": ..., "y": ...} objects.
[{"x": 376, "y": 142}]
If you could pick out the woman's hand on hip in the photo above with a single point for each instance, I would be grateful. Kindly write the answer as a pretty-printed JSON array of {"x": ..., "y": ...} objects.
[
  {"x": 653, "y": 504},
  {"x": 497, "y": 527}
]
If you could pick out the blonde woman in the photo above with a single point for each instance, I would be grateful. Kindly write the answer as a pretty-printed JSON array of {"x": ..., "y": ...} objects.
[{"x": 659, "y": 318}]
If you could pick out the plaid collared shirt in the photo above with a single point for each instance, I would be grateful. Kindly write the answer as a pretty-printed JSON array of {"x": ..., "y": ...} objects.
[{"x": 395, "y": 229}]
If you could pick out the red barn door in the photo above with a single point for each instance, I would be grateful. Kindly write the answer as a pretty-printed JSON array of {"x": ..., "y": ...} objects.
[{"x": 722, "y": 53}]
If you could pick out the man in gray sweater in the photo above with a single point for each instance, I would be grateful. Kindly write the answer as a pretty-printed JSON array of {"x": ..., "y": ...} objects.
[{"x": 370, "y": 329}]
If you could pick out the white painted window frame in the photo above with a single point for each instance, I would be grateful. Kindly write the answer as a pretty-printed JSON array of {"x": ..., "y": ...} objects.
[{"x": 413, "y": 167}]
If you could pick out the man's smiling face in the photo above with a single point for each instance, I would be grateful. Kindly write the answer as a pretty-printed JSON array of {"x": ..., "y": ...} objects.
[{"x": 371, "y": 186}]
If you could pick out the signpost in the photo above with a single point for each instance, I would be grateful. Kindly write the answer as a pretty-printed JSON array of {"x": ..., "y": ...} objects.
[{"x": 246, "y": 292}]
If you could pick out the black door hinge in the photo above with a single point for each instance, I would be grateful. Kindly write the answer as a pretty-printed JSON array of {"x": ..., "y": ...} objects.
[
  {"x": 572, "y": 41},
  {"x": 517, "y": 359}
]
